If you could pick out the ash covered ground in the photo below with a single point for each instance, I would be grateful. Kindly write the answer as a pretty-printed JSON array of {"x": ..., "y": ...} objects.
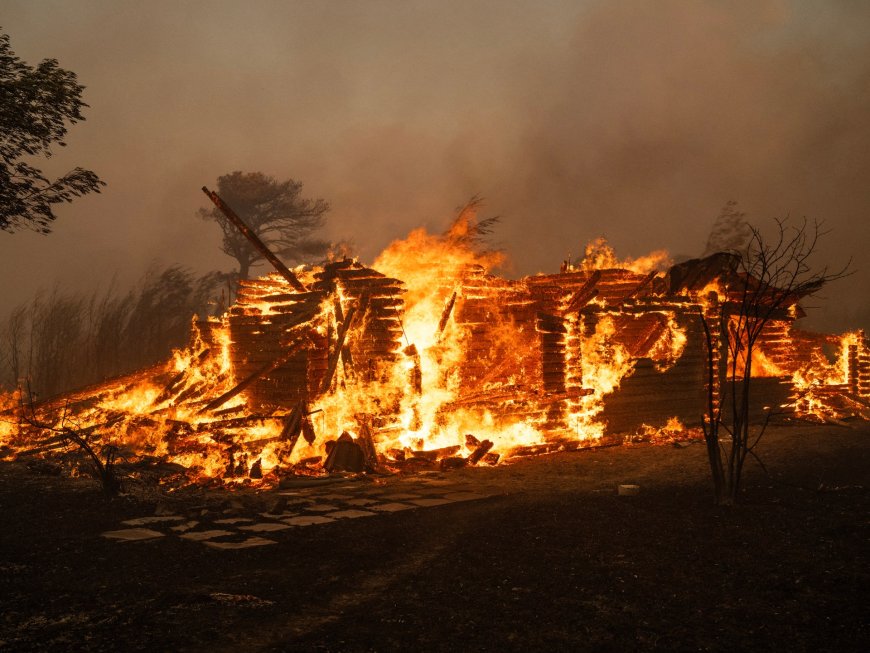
[{"x": 541, "y": 554}]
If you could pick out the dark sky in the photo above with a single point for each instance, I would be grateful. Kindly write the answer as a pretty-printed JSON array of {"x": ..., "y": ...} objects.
[{"x": 632, "y": 120}]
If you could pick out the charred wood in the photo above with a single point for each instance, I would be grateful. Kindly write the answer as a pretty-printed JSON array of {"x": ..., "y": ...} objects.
[
  {"x": 445, "y": 314},
  {"x": 292, "y": 350},
  {"x": 434, "y": 454},
  {"x": 367, "y": 443},
  {"x": 293, "y": 425},
  {"x": 481, "y": 450},
  {"x": 584, "y": 294},
  {"x": 453, "y": 462},
  {"x": 345, "y": 455},
  {"x": 336, "y": 354},
  {"x": 236, "y": 422}
]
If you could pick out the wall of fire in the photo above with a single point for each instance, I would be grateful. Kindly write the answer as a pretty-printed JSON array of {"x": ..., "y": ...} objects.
[{"x": 523, "y": 343}]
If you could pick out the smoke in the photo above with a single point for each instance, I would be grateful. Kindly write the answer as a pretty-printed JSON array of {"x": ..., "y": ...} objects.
[{"x": 635, "y": 121}]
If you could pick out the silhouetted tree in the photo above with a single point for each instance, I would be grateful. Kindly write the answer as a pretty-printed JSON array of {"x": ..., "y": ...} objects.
[
  {"x": 764, "y": 280},
  {"x": 275, "y": 211},
  {"x": 36, "y": 104}
]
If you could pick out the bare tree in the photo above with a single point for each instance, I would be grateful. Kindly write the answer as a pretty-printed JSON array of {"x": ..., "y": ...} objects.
[
  {"x": 13, "y": 343},
  {"x": 766, "y": 279}
]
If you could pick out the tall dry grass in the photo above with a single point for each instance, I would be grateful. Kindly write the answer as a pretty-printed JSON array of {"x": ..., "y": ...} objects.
[{"x": 61, "y": 341}]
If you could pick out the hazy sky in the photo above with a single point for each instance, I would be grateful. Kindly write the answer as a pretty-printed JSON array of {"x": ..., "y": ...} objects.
[{"x": 632, "y": 120}]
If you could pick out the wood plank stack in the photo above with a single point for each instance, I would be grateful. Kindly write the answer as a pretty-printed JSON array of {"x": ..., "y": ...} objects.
[
  {"x": 498, "y": 317},
  {"x": 654, "y": 392},
  {"x": 375, "y": 339},
  {"x": 858, "y": 367},
  {"x": 553, "y": 291},
  {"x": 775, "y": 342},
  {"x": 267, "y": 316},
  {"x": 863, "y": 367}
]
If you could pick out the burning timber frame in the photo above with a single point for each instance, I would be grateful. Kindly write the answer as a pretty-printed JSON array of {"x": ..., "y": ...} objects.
[
  {"x": 285, "y": 349},
  {"x": 552, "y": 315}
]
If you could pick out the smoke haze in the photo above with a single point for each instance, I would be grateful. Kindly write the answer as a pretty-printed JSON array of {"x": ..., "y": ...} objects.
[{"x": 632, "y": 120}]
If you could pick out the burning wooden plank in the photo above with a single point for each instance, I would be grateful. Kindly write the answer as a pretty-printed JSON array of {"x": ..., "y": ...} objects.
[
  {"x": 336, "y": 354},
  {"x": 367, "y": 442},
  {"x": 445, "y": 314},
  {"x": 481, "y": 450},
  {"x": 289, "y": 353},
  {"x": 584, "y": 294}
]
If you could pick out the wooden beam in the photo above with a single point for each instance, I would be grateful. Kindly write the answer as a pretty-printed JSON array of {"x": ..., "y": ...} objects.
[
  {"x": 293, "y": 425},
  {"x": 445, "y": 315},
  {"x": 339, "y": 344},
  {"x": 367, "y": 443},
  {"x": 584, "y": 294},
  {"x": 258, "y": 244},
  {"x": 293, "y": 349}
]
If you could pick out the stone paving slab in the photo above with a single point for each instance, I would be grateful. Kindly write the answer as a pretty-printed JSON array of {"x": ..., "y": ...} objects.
[
  {"x": 234, "y": 520},
  {"x": 245, "y": 544},
  {"x": 133, "y": 534},
  {"x": 264, "y": 527},
  {"x": 201, "y": 536},
  {"x": 428, "y": 503},
  {"x": 298, "y": 508},
  {"x": 279, "y": 516},
  {"x": 465, "y": 496},
  {"x": 360, "y": 502},
  {"x": 320, "y": 507},
  {"x": 308, "y": 520},
  {"x": 390, "y": 507},
  {"x": 349, "y": 514}
]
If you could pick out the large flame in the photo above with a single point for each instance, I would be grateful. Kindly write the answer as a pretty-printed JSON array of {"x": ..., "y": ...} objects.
[
  {"x": 599, "y": 255},
  {"x": 197, "y": 411}
]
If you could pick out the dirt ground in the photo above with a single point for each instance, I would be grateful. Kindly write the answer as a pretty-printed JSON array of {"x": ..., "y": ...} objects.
[{"x": 539, "y": 555}]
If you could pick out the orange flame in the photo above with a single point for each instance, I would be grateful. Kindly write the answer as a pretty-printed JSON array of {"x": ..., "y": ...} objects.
[{"x": 423, "y": 397}]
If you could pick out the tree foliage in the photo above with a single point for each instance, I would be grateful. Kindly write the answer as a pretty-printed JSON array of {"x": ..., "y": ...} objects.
[
  {"x": 36, "y": 107},
  {"x": 275, "y": 211}
]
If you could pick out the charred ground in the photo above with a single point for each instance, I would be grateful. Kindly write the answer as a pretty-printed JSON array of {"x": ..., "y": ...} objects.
[{"x": 553, "y": 559}]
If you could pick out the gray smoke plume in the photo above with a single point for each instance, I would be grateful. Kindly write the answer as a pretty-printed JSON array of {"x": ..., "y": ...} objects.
[{"x": 631, "y": 120}]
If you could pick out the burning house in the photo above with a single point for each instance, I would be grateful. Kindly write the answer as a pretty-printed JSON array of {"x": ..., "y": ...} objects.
[{"x": 427, "y": 358}]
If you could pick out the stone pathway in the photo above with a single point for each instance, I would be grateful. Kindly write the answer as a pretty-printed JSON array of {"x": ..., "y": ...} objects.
[{"x": 234, "y": 529}]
